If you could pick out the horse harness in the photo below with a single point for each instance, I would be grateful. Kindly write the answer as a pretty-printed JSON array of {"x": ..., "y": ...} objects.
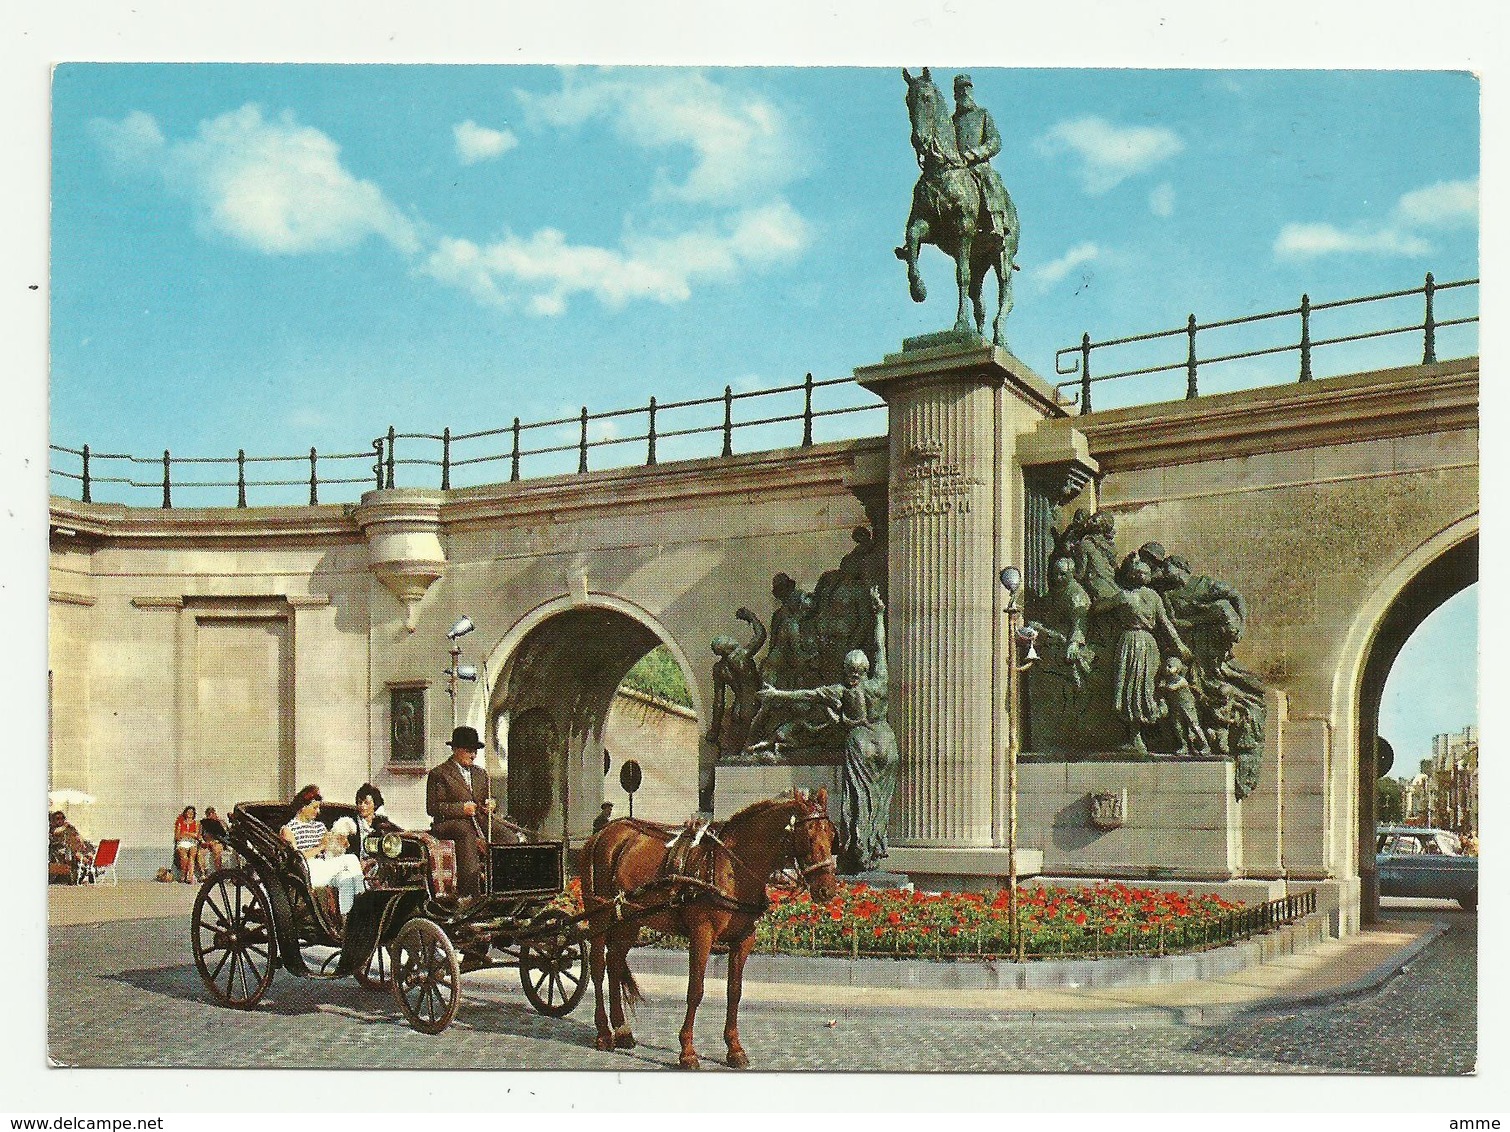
[{"x": 686, "y": 888}]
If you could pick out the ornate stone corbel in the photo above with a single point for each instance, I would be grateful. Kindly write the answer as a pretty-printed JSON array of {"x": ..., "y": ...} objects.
[{"x": 402, "y": 527}]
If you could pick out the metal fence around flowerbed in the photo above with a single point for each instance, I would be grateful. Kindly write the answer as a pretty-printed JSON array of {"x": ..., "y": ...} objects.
[{"x": 993, "y": 941}]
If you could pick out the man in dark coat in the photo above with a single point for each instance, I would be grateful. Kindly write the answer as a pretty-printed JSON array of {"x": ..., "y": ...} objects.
[{"x": 456, "y": 798}]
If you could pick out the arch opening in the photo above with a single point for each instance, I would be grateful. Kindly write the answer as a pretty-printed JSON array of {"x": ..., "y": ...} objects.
[
  {"x": 563, "y": 719},
  {"x": 1444, "y": 577}
]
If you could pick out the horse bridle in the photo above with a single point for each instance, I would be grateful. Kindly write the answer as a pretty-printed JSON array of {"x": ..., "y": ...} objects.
[
  {"x": 829, "y": 863},
  {"x": 798, "y": 869}
]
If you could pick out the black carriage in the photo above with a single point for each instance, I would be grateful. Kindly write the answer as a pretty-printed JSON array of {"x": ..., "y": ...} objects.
[{"x": 406, "y": 931}]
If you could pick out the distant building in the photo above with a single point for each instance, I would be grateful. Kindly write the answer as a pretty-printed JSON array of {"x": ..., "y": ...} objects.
[{"x": 1446, "y": 792}]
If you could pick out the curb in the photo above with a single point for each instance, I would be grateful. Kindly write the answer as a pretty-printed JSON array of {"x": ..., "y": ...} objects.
[
  {"x": 1373, "y": 981},
  {"x": 1108, "y": 972},
  {"x": 1133, "y": 1017}
]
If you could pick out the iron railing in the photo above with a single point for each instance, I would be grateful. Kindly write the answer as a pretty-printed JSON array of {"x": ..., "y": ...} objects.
[
  {"x": 1080, "y": 355},
  {"x": 525, "y": 443},
  {"x": 531, "y": 441}
]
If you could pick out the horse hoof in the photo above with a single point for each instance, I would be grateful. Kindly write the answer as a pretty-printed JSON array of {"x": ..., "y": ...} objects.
[
  {"x": 604, "y": 1044},
  {"x": 689, "y": 1061},
  {"x": 919, "y": 291},
  {"x": 738, "y": 1060},
  {"x": 624, "y": 1041}
]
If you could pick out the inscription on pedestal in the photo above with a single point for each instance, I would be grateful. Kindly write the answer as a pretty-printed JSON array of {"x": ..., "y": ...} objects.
[
  {"x": 929, "y": 484},
  {"x": 1109, "y": 809}
]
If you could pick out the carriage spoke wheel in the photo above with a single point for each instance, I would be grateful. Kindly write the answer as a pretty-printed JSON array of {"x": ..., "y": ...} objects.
[
  {"x": 426, "y": 976},
  {"x": 377, "y": 972},
  {"x": 553, "y": 967},
  {"x": 232, "y": 934}
]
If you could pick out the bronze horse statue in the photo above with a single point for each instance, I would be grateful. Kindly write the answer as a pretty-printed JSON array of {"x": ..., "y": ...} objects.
[
  {"x": 705, "y": 883},
  {"x": 951, "y": 211}
]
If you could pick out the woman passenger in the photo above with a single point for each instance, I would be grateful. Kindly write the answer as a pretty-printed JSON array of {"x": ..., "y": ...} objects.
[
  {"x": 308, "y": 835},
  {"x": 370, "y": 816}
]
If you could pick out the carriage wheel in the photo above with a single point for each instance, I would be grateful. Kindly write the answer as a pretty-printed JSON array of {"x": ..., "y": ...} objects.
[
  {"x": 232, "y": 934},
  {"x": 553, "y": 967},
  {"x": 377, "y": 972},
  {"x": 426, "y": 976}
]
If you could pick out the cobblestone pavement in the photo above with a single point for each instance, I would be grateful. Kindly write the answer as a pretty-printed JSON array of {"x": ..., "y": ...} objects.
[{"x": 129, "y": 990}]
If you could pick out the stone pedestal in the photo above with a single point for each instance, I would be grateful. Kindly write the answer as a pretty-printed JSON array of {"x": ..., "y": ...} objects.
[{"x": 955, "y": 498}]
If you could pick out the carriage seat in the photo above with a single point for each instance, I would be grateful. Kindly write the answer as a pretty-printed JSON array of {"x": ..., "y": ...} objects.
[{"x": 442, "y": 857}]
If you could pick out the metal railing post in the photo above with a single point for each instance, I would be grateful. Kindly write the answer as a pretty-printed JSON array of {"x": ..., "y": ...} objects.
[
  {"x": 1305, "y": 337},
  {"x": 392, "y": 436},
  {"x": 241, "y": 477},
  {"x": 514, "y": 457},
  {"x": 728, "y": 420},
  {"x": 445, "y": 459},
  {"x": 314, "y": 478},
  {"x": 85, "y": 497},
  {"x": 1085, "y": 374},
  {"x": 582, "y": 446},
  {"x": 1191, "y": 392},
  {"x": 1429, "y": 353},
  {"x": 807, "y": 411},
  {"x": 650, "y": 437},
  {"x": 167, "y": 482}
]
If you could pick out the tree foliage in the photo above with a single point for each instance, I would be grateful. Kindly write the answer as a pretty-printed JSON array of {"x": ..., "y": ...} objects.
[
  {"x": 1391, "y": 802},
  {"x": 657, "y": 674}
]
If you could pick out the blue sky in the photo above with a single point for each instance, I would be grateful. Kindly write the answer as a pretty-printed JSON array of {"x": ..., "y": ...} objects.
[{"x": 285, "y": 256}]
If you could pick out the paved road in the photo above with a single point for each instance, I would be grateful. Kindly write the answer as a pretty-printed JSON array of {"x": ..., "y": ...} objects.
[{"x": 127, "y": 993}]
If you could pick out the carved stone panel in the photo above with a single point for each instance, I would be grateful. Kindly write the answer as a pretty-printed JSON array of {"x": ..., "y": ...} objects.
[
  {"x": 1109, "y": 809},
  {"x": 406, "y": 724}
]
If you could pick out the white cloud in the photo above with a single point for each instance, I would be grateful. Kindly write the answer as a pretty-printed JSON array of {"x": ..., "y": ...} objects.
[
  {"x": 271, "y": 185},
  {"x": 542, "y": 271},
  {"x": 740, "y": 143},
  {"x": 1109, "y": 154},
  {"x": 1442, "y": 205},
  {"x": 476, "y": 143},
  {"x": 1056, "y": 270},
  {"x": 1161, "y": 200},
  {"x": 1307, "y": 241},
  {"x": 135, "y": 143},
  {"x": 1445, "y": 204}
]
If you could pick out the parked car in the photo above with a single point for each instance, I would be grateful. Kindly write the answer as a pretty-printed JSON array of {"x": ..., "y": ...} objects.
[{"x": 1426, "y": 862}]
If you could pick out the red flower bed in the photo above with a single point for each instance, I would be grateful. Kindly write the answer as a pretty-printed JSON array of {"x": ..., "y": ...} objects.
[{"x": 1104, "y": 919}]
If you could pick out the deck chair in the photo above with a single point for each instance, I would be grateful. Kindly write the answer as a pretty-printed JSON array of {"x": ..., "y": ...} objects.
[{"x": 104, "y": 861}]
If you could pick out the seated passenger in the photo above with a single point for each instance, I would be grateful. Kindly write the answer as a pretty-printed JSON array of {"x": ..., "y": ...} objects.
[
  {"x": 370, "y": 816},
  {"x": 309, "y": 836}
]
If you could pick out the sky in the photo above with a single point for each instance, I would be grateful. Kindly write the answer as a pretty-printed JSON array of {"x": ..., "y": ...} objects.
[{"x": 270, "y": 258}]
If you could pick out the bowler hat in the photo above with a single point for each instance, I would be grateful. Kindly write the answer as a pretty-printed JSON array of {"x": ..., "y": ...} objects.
[{"x": 466, "y": 738}]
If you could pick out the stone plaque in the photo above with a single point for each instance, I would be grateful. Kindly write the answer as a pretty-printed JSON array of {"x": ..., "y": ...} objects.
[
  {"x": 406, "y": 724},
  {"x": 930, "y": 484},
  {"x": 1109, "y": 809}
]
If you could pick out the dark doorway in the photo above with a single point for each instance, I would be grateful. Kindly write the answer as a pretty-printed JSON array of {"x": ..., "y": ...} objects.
[{"x": 537, "y": 758}]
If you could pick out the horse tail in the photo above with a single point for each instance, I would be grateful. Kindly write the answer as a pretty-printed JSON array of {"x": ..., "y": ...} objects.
[{"x": 627, "y": 986}]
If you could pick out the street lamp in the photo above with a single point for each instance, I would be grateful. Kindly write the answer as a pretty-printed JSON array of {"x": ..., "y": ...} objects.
[
  {"x": 458, "y": 671},
  {"x": 1017, "y": 633}
]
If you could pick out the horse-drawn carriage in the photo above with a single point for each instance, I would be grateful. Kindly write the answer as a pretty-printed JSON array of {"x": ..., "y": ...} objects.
[
  {"x": 406, "y": 931},
  {"x": 702, "y": 881}
]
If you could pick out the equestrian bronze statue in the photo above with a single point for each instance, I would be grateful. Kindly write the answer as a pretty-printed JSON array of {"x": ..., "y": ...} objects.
[{"x": 959, "y": 204}]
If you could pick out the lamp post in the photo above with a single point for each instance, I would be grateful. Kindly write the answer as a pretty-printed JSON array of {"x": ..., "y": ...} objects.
[
  {"x": 458, "y": 671},
  {"x": 1011, "y": 580}
]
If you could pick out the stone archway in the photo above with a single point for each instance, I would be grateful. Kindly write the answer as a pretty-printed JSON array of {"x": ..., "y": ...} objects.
[
  {"x": 557, "y": 673},
  {"x": 1440, "y": 569}
]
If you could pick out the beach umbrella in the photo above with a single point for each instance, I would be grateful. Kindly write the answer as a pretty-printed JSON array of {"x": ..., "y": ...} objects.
[{"x": 68, "y": 796}]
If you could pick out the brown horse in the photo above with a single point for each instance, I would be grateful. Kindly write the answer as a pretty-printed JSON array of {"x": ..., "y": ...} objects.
[{"x": 708, "y": 886}]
